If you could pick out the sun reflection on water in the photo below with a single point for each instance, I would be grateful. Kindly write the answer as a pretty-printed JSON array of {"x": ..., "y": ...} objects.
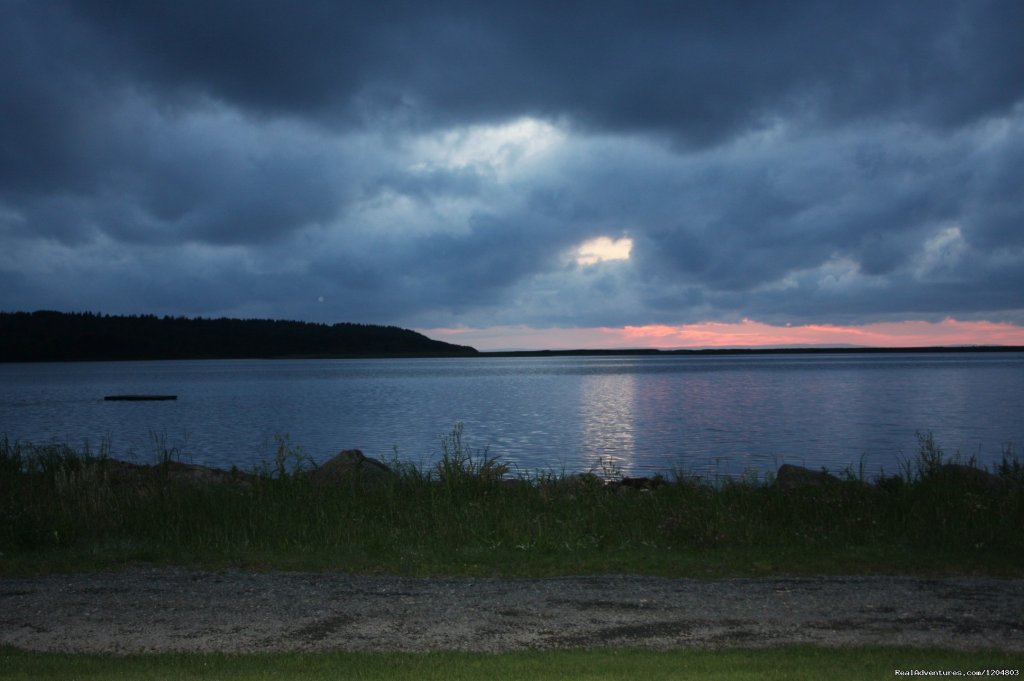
[{"x": 608, "y": 422}]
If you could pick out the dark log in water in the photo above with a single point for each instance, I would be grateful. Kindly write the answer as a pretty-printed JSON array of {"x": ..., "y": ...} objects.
[{"x": 139, "y": 398}]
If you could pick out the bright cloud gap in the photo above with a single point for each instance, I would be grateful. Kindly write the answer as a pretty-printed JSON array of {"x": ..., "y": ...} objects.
[
  {"x": 603, "y": 248},
  {"x": 499, "y": 149}
]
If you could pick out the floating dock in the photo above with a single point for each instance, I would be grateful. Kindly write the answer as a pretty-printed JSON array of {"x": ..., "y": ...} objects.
[{"x": 140, "y": 398}]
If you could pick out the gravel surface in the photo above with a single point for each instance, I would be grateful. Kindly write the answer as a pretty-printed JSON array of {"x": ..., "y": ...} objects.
[{"x": 173, "y": 609}]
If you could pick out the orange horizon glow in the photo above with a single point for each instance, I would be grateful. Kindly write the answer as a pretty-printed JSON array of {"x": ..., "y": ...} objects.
[{"x": 744, "y": 334}]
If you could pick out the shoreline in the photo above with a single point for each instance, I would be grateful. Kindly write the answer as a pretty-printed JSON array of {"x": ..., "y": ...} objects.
[
  {"x": 577, "y": 352},
  {"x": 463, "y": 516}
]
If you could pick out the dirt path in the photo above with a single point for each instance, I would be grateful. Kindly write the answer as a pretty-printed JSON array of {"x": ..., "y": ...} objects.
[{"x": 172, "y": 609}]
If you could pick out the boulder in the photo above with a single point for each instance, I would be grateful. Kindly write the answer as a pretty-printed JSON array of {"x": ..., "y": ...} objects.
[
  {"x": 141, "y": 475},
  {"x": 791, "y": 477},
  {"x": 642, "y": 484},
  {"x": 348, "y": 465},
  {"x": 971, "y": 477},
  {"x": 585, "y": 480}
]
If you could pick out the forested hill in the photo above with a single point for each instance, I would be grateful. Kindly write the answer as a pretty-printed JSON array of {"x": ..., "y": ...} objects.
[{"x": 59, "y": 336}]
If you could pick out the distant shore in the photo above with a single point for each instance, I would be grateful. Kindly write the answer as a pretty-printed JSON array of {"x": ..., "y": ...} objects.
[
  {"x": 749, "y": 351},
  {"x": 48, "y": 336}
]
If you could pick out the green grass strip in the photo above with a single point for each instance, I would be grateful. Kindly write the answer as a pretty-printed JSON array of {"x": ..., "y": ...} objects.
[
  {"x": 63, "y": 510},
  {"x": 777, "y": 663}
]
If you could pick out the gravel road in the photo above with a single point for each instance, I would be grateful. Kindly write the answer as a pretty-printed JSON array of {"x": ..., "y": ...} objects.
[{"x": 174, "y": 609}]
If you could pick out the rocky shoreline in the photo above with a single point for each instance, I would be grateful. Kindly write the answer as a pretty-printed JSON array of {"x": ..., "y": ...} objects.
[
  {"x": 146, "y": 609},
  {"x": 352, "y": 463}
]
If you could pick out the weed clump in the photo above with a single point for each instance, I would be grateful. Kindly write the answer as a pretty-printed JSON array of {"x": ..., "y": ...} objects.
[{"x": 467, "y": 514}]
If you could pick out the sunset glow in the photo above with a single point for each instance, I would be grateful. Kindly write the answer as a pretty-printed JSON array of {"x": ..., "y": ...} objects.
[{"x": 744, "y": 334}]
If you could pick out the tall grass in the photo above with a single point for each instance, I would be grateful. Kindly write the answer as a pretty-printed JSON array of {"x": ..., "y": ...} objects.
[{"x": 465, "y": 515}]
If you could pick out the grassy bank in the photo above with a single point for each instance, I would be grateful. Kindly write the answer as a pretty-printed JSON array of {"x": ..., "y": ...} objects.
[
  {"x": 780, "y": 663},
  {"x": 65, "y": 510}
]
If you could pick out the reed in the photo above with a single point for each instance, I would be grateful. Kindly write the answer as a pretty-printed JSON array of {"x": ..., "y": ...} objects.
[{"x": 68, "y": 509}]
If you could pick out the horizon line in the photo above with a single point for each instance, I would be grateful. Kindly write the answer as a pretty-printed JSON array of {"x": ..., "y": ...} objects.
[{"x": 767, "y": 349}]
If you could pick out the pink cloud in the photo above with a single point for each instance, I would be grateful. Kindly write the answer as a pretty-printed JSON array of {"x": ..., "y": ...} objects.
[
  {"x": 750, "y": 333},
  {"x": 747, "y": 333}
]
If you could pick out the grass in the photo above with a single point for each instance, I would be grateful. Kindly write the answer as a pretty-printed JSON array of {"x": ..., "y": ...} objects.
[
  {"x": 779, "y": 663},
  {"x": 65, "y": 510}
]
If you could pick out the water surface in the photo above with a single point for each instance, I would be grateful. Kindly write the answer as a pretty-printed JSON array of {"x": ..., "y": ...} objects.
[{"x": 705, "y": 414}]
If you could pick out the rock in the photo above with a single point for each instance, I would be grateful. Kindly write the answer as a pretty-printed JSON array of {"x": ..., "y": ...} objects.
[
  {"x": 791, "y": 477},
  {"x": 967, "y": 476},
  {"x": 132, "y": 474},
  {"x": 642, "y": 484},
  {"x": 577, "y": 480},
  {"x": 348, "y": 465}
]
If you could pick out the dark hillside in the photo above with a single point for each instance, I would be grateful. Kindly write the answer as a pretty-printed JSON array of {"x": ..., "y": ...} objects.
[{"x": 59, "y": 336}]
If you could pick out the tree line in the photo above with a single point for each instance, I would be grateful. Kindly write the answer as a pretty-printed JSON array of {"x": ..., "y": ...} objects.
[{"x": 69, "y": 336}]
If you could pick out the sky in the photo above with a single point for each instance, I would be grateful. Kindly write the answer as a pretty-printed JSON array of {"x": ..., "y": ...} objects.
[{"x": 523, "y": 175}]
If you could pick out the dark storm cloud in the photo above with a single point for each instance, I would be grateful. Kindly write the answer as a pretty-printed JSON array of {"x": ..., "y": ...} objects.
[
  {"x": 697, "y": 70},
  {"x": 50, "y": 99},
  {"x": 437, "y": 163}
]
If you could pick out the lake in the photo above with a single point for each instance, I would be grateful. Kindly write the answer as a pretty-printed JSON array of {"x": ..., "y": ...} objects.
[{"x": 707, "y": 415}]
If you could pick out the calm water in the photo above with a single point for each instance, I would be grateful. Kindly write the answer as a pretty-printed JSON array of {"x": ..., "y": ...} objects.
[{"x": 706, "y": 415}]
